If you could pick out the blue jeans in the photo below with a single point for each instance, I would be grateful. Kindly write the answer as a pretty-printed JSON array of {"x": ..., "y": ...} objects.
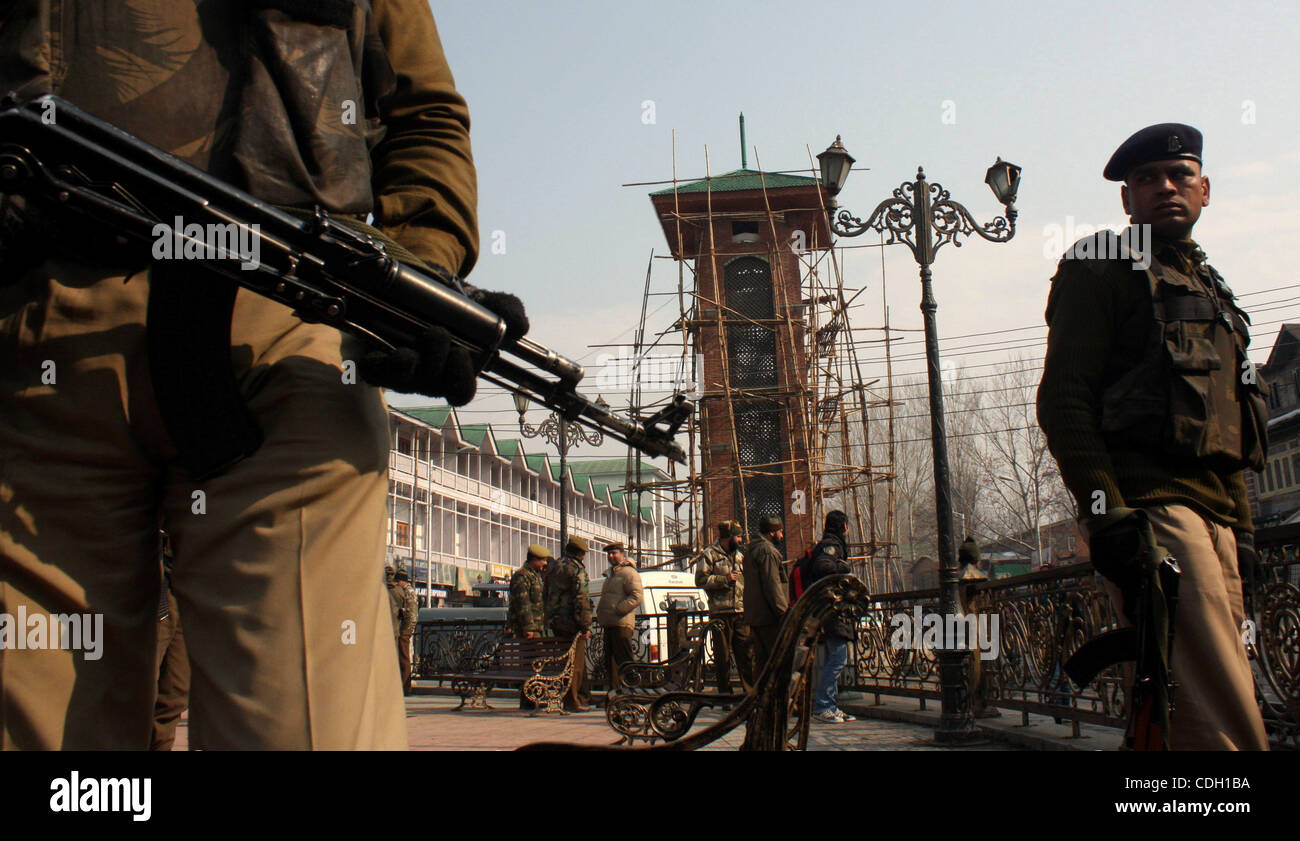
[{"x": 835, "y": 651}]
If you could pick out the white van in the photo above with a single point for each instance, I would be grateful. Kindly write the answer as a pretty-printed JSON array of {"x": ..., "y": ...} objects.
[{"x": 660, "y": 590}]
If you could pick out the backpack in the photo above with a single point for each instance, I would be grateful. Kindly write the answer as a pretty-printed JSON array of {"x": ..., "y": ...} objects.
[{"x": 802, "y": 573}]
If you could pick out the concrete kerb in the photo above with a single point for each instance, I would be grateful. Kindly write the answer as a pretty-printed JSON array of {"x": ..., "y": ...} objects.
[{"x": 1043, "y": 733}]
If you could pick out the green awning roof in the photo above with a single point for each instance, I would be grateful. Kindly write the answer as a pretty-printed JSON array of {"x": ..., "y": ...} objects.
[
  {"x": 474, "y": 433},
  {"x": 434, "y": 416}
]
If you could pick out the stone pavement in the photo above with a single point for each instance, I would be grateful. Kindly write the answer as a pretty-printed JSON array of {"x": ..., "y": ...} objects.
[{"x": 895, "y": 724}]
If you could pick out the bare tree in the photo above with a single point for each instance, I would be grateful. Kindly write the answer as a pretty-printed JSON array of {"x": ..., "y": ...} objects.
[{"x": 1022, "y": 484}]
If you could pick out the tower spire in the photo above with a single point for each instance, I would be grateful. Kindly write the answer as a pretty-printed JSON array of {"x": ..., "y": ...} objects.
[{"x": 744, "y": 160}]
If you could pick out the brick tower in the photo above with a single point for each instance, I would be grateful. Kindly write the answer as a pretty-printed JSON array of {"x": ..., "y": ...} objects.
[{"x": 745, "y": 232}]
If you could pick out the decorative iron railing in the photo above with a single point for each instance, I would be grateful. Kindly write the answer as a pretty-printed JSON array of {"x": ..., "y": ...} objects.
[
  {"x": 449, "y": 646},
  {"x": 1044, "y": 617}
]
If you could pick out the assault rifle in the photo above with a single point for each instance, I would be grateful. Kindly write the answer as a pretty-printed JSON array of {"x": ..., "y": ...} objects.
[
  {"x": 55, "y": 153},
  {"x": 1149, "y": 581}
]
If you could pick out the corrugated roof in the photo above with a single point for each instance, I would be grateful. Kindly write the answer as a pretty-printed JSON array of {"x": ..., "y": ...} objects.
[{"x": 742, "y": 179}]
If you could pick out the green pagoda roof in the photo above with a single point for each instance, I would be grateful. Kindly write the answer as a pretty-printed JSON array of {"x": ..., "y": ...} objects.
[{"x": 742, "y": 179}]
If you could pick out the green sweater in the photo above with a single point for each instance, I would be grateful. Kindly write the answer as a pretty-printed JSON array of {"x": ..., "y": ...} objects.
[{"x": 1099, "y": 318}]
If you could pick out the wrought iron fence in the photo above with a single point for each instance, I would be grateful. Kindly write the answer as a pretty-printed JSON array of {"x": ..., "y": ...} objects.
[
  {"x": 1043, "y": 619},
  {"x": 450, "y": 646}
]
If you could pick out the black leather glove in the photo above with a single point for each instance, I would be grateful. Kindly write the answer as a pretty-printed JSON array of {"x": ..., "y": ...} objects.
[
  {"x": 1120, "y": 544},
  {"x": 438, "y": 368},
  {"x": 505, "y": 305},
  {"x": 1247, "y": 557}
]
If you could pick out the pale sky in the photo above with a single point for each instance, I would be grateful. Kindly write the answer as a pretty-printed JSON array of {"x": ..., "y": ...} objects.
[{"x": 557, "y": 93}]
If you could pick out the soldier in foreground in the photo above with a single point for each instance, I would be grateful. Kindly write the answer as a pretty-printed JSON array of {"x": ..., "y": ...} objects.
[
  {"x": 568, "y": 613},
  {"x": 720, "y": 572},
  {"x": 619, "y": 598},
  {"x": 1151, "y": 408},
  {"x": 278, "y": 546},
  {"x": 767, "y": 588}
]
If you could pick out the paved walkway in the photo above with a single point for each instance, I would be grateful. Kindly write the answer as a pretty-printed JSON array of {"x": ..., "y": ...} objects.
[{"x": 896, "y": 724}]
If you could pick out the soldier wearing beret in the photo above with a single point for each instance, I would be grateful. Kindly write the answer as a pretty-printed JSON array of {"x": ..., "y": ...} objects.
[
  {"x": 619, "y": 598},
  {"x": 568, "y": 613},
  {"x": 720, "y": 572},
  {"x": 1152, "y": 411}
]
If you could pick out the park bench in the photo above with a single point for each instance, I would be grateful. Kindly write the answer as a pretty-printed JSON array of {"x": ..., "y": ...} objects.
[
  {"x": 628, "y": 708},
  {"x": 543, "y": 667},
  {"x": 777, "y": 710}
]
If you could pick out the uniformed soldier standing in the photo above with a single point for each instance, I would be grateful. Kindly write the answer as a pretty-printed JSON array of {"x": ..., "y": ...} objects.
[
  {"x": 284, "y": 617},
  {"x": 767, "y": 588},
  {"x": 720, "y": 572},
  {"x": 406, "y": 613},
  {"x": 568, "y": 613},
  {"x": 526, "y": 617},
  {"x": 619, "y": 598},
  {"x": 1152, "y": 411}
]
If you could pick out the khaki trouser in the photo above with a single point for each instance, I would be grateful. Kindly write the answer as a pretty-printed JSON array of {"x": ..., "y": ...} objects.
[
  {"x": 277, "y": 560},
  {"x": 1214, "y": 703},
  {"x": 735, "y": 638},
  {"x": 404, "y": 661},
  {"x": 173, "y": 678},
  {"x": 575, "y": 696},
  {"x": 618, "y": 650}
]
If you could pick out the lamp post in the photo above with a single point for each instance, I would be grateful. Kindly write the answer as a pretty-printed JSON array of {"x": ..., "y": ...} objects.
[
  {"x": 561, "y": 434},
  {"x": 921, "y": 215}
]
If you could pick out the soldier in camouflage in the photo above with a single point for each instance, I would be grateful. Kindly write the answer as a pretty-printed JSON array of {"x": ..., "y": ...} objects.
[
  {"x": 719, "y": 571},
  {"x": 527, "y": 613},
  {"x": 568, "y": 613}
]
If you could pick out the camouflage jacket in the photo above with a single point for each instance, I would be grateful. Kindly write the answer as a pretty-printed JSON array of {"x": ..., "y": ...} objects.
[
  {"x": 711, "y": 574},
  {"x": 568, "y": 607},
  {"x": 349, "y": 106},
  {"x": 527, "y": 613}
]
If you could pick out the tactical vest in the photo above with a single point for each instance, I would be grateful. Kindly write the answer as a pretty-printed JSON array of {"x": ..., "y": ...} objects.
[{"x": 1194, "y": 394}]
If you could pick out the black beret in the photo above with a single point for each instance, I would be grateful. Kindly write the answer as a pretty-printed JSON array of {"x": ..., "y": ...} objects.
[{"x": 1154, "y": 143}]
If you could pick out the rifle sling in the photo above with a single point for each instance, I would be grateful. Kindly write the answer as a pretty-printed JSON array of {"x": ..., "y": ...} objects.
[{"x": 188, "y": 326}]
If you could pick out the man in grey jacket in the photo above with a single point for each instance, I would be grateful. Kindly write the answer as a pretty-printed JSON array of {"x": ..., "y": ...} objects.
[
  {"x": 767, "y": 589},
  {"x": 616, "y": 613}
]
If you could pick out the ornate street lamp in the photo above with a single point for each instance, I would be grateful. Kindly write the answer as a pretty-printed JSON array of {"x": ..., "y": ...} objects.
[
  {"x": 563, "y": 435},
  {"x": 921, "y": 215}
]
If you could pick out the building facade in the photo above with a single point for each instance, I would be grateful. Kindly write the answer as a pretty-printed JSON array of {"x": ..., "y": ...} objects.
[
  {"x": 464, "y": 504},
  {"x": 1275, "y": 493}
]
